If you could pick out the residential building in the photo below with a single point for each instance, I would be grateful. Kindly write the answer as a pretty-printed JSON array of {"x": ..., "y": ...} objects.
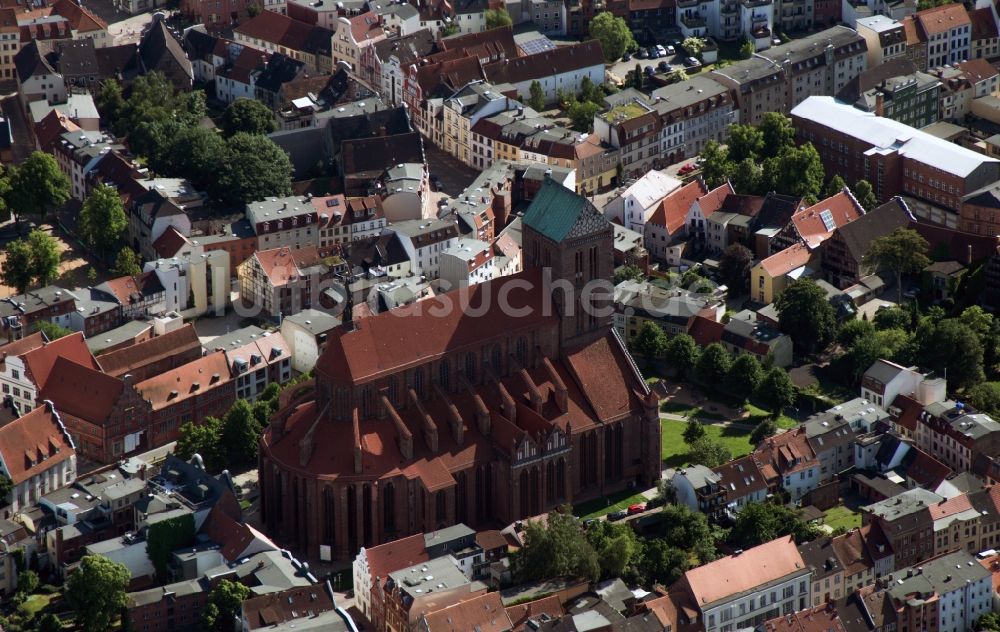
[
  {"x": 947, "y": 594},
  {"x": 744, "y": 333},
  {"x": 665, "y": 228},
  {"x": 956, "y": 436},
  {"x": 138, "y": 297},
  {"x": 445, "y": 359},
  {"x": 895, "y": 158},
  {"x": 700, "y": 489},
  {"x": 760, "y": 584},
  {"x": 37, "y": 454},
  {"x": 788, "y": 461},
  {"x": 302, "y": 608},
  {"x": 306, "y": 335},
  {"x": 635, "y": 129},
  {"x": 36, "y": 78},
  {"x": 288, "y": 222},
  {"x": 464, "y": 109},
  {"x": 19, "y": 313},
  {"x": 844, "y": 251},
  {"x": 375, "y": 562},
  {"x": 814, "y": 225},
  {"x": 382, "y": 65},
  {"x": 424, "y": 241},
  {"x": 352, "y": 35},
  {"x": 906, "y": 523},
  {"x": 827, "y": 580},
  {"x": 947, "y": 32},
  {"x": 283, "y": 281},
  {"x": 693, "y": 112},
  {"x": 561, "y": 69},
  {"x": 898, "y": 91},
  {"x": 194, "y": 283},
  {"x": 673, "y": 310},
  {"x": 467, "y": 262},
  {"x": 78, "y": 153},
  {"x": 769, "y": 277},
  {"x": 276, "y": 33},
  {"x": 404, "y": 606},
  {"x": 885, "y": 38},
  {"x": 27, "y": 366},
  {"x": 985, "y": 35},
  {"x": 744, "y": 483},
  {"x": 160, "y": 50},
  {"x": 634, "y": 206},
  {"x": 256, "y": 358},
  {"x": 150, "y": 215}
]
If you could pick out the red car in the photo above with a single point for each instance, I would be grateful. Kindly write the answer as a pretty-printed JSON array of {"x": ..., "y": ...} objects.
[
  {"x": 637, "y": 508},
  {"x": 686, "y": 169}
]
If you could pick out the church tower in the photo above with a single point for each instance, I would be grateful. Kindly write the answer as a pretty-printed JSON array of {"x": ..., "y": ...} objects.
[{"x": 565, "y": 234}]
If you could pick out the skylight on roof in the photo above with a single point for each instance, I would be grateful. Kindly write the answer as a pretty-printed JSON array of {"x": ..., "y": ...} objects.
[{"x": 827, "y": 218}]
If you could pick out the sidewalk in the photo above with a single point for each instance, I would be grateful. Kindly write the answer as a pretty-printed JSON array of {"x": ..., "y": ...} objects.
[{"x": 709, "y": 422}]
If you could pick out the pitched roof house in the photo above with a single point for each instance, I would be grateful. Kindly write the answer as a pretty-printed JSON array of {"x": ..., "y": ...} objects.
[{"x": 37, "y": 454}]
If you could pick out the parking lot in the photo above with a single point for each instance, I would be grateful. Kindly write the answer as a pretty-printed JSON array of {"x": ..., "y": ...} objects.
[
  {"x": 453, "y": 176},
  {"x": 619, "y": 70}
]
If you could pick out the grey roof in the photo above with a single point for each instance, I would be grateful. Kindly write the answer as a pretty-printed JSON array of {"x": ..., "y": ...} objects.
[
  {"x": 699, "y": 476},
  {"x": 434, "y": 575},
  {"x": 815, "y": 45},
  {"x": 313, "y": 321},
  {"x": 880, "y": 221},
  {"x": 240, "y": 229},
  {"x": 657, "y": 302},
  {"x": 30, "y": 61},
  {"x": 910, "y": 502},
  {"x": 33, "y": 300},
  {"x": 945, "y": 267},
  {"x": 988, "y": 196},
  {"x": 820, "y": 555},
  {"x": 236, "y": 339},
  {"x": 407, "y": 48},
  {"x": 883, "y": 371},
  {"x": 467, "y": 249},
  {"x": 887, "y": 77},
  {"x": 685, "y": 93},
  {"x": 278, "y": 208},
  {"x": 859, "y": 413},
  {"x": 937, "y": 577},
  {"x": 417, "y": 228},
  {"x": 155, "y": 595},
  {"x": 447, "y": 535}
]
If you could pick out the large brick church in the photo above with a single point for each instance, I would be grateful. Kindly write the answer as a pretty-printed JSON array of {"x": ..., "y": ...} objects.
[{"x": 480, "y": 407}]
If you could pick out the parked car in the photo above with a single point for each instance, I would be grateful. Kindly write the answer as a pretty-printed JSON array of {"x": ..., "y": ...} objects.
[
  {"x": 671, "y": 50},
  {"x": 626, "y": 56},
  {"x": 692, "y": 62},
  {"x": 660, "y": 51},
  {"x": 656, "y": 501},
  {"x": 637, "y": 508},
  {"x": 640, "y": 54},
  {"x": 649, "y": 70},
  {"x": 653, "y": 53},
  {"x": 663, "y": 66},
  {"x": 588, "y": 522},
  {"x": 617, "y": 515},
  {"x": 686, "y": 169}
]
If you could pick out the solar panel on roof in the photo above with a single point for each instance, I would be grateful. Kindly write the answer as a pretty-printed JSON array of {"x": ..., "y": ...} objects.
[
  {"x": 827, "y": 218},
  {"x": 535, "y": 46}
]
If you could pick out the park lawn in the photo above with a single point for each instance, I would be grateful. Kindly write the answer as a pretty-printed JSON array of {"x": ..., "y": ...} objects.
[
  {"x": 689, "y": 410},
  {"x": 36, "y": 603},
  {"x": 757, "y": 414},
  {"x": 674, "y": 450},
  {"x": 603, "y": 506},
  {"x": 841, "y": 516}
]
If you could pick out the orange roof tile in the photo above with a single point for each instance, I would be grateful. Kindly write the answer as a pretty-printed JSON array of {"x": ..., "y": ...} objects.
[
  {"x": 783, "y": 262},
  {"x": 39, "y": 361},
  {"x": 520, "y": 613},
  {"x": 80, "y": 18},
  {"x": 193, "y": 378},
  {"x": 176, "y": 342},
  {"x": 232, "y": 536},
  {"x": 170, "y": 243},
  {"x": 366, "y": 27},
  {"x": 672, "y": 211},
  {"x": 977, "y": 70},
  {"x": 392, "y": 556},
  {"x": 484, "y": 613},
  {"x": 22, "y": 346},
  {"x": 33, "y": 443},
  {"x": 714, "y": 199},
  {"x": 739, "y": 573},
  {"x": 81, "y": 391},
  {"x": 817, "y": 222},
  {"x": 822, "y": 618},
  {"x": 942, "y": 19},
  {"x": 706, "y": 331},
  {"x": 950, "y": 507}
]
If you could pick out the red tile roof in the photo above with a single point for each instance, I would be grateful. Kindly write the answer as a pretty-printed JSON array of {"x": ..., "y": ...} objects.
[
  {"x": 280, "y": 265},
  {"x": 484, "y": 613},
  {"x": 810, "y": 224},
  {"x": 49, "y": 130},
  {"x": 546, "y": 64},
  {"x": 189, "y": 380},
  {"x": 491, "y": 539},
  {"x": 741, "y": 477},
  {"x": 822, "y": 618},
  {"x": 714, "y": 199},
  {"x": 366, "y": 27},
  {"x": 232, "y": 536},
  {"x": 170, "y": 243},
  {"x": 521, "y": 613},
  {"x": 706, "y": 331},
  {"x": 927, "y": 471},
  {"x": 910, "y": 410},
  {"x": 34, "y": 443},
  {"x": 672, "y": 211},
  {"x": 385, "y": 343},
  {"x": 80, "y": 18},
  {"x": 82, "y": 391},
  {"x": 602, "y": 370},
  {"x": 783, "y": 262},
  {"x": 984, "y": 26},
  {"x": 852, "y": 553},
  {"x": 39, "y": 362},
  {"x": 22, "y": 346},
  {"x": 977, "y": 70},
  {"x": 282, "y": 30},
  {"x": 127, "y": 290},
  {"x": 941, "y": 19},
  {"x": 740, "y": 573},
  {"x": 392, "y": 556},
  {"x": 173, "y": 343},
  {"x": 950, "y": 507},
  {"x": 287, "y": 607}
]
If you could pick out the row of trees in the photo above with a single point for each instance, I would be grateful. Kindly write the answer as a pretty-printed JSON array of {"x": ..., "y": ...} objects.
[
  {"x": 230, "y": 441},
  {"x": 164, "y": 127}
]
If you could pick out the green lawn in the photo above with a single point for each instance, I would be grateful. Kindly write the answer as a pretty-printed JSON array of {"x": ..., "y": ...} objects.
[
  {"x": 757, "y": 413},
  {"x": 603, "y": 506},
  {"x": 36, "y": 603},
  {"x": 689, "y": 410},
  {"x": 674, "y": 450},
  {"x": 841, "y": 516}
]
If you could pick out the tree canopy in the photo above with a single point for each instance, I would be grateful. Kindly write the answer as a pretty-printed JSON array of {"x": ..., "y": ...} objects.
[
  {"x": 713, "y": 365},
  {"x": 224, "y": 605},
  {"x": 103, "y": 219},
  {"x": 650, "y": 341},
  {"x": 903, "y": 251},
  {"x": 536, "y": 95},
  {"x": 707, "y": 452},
  {"x": 495, "y": 18},
  {"x": 614, "y": 35},
  {"x": 34, "y": 260},
  {"x": 806, "y": 315},
  {"x": 255, "y": 169},
  {"x": 127, "y": 263},
  {"x": 556, "y": 549},
  {"x": 37, "y": 186},
  {"x": 247, "y": 115},
  {"x": 762, "y": 522},
  {"x": 96, "y": 591},
  {"x": 682, "y": 353},
  {"x": 776, "y": 391},
  {"x": 734, "y": 267},
  {"x": 240, "y": 434}
]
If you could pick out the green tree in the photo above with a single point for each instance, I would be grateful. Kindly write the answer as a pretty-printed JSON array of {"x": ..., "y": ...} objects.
[
  {"x": 709, "y": 453},
  {"x": 50, "y": 622},
  {"x": 165, "y": 537},
  {"x": 558, "y": 548},
  {"x": 662, "y": 563},
  {"x": 694, "y": 46},
  {"x": 127, "y": 263},
  {"x": 51, "y": 330},
  {"x": 865, "y": 195},
  {"x": 852, "y": 330},
  {"x": 806, "y": 315},
  {"x": 37, "y": 186},
  {"x": 892, "y": 318},
  {"x": 693, "y": 431},
  {"x": 638, "y": 80},
  {"x": 681, "y": 353},
  {"x": 628, "y": 273},
  {"x": 581, "y": 115},
  {"x": 44, "y": 257},
  {"x": 195, "y": 153},
  {"x": 834, "y": 186},
  {"x": 689, "y": 531},
  {"x": 676, "y": 75},
  {"x": 270, "y": 392},
  {"x": 224, "y": 604},
  {"x": 16, "y": 271},
  {"x": 978, "y": 320},
  {"x": 744, "y": 376},
  {"x": 240, "y": 434},
  {"x": 650, "y": 341},
  {"x": 256, "y": 168},
  {"x": 96, "y": 591},
  {"x": 747, "y": 176},
  {"x": 496, "y": 18},
  {"x": 745, "y": 141},
  {"x": 616, "y": 546},
  {"x": 614, "y": 35},
  {"x": 205, "y": 440},
  {"x": 452, "y": 28},
  {"x": 991, "y": 620},
  {"x": 6, "y": 487},
  {"x": 27, "y": 583},
  {"x": 765, "y": 428},
  {"x": 103, "y": 219},
  {"x": 985, "y": 397},
  {"x": 110, "y": 100},
  {"x": 797, "y": 171},
  {"x": 747, "y": 49},
  {"x": 536, "y": 96},
  {"x": 716, "y": 166},
  {"x": 903, "y": 251},
  {"x": 247, "y": 115},
  {"x": 734, "y": 267},
  {"x": 713, "y": 365},
  {"x": 762, "y": 522},
  {"x": 951, "y": 346},
  {"x": 776, "y": 391},
  {"x": 778, "y": 132}
]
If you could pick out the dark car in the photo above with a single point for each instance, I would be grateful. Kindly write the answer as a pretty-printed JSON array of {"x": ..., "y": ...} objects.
[
  {"x": 626, "y": 56},
  {"x": 640, "y": 54},
  {"x": 656, "y": 501},
  {"x": 652, "y": 52},
  {"x": 663, "y": 66},
  {"x": 588, "y": 522},
  {"x": 649, "y": 70},
  {"x": 617, "y": 515}
]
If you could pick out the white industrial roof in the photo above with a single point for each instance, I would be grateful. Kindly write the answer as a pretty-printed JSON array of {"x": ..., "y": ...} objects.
[{"x": 886, "y": 134}]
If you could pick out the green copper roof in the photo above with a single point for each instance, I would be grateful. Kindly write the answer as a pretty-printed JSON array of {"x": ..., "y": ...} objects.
[{"x": 555, "y": 210}]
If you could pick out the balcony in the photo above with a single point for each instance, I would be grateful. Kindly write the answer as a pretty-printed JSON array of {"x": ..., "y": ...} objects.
[
  {"x": 687, "y": 4},
  {"x": 729, "y": 8},
  {"x": 693, "y": 21}
]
